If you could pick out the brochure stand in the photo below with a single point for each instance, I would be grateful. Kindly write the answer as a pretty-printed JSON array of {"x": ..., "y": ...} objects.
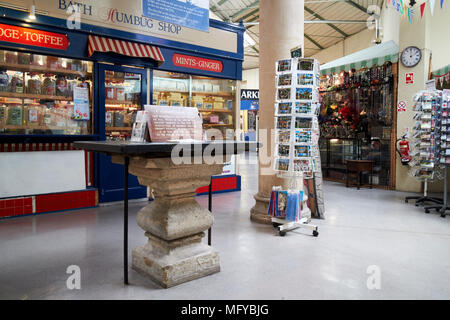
[
  {"x": 297, "y": 133},
  {"x": 425, "y": 140},
  {"x": 442, "y": 152}
]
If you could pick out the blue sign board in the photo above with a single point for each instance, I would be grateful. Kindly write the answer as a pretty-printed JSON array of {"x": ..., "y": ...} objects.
[
  {"x": 249, "y": 99},
  {"x": 192, "y": 14}
]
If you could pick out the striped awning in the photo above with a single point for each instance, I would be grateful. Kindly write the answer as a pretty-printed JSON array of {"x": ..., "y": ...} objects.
[
  {"x": 376, "y": 55},
  {"x": 442, "y": 71},
  {"x": 127, "y": 48}
]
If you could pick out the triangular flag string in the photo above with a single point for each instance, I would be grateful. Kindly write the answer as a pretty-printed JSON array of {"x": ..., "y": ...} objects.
[
  {"x": 432, "y": 6},
  {"x": 442, "y": 2},
  {"x": 422, "y": 9}
]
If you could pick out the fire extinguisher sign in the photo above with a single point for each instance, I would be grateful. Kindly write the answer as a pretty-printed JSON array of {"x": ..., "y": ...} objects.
[
  {"x": 410, "y": 78},
  {"x": 401, "y": 106}
]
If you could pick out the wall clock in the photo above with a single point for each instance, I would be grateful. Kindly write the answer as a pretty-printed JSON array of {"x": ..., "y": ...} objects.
[{"x": 411, "y": 56}]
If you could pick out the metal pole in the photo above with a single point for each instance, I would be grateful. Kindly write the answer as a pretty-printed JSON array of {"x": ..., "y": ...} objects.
[
  {"x": 125, "y": 222},
  {"x": 209, "y": 208},
  {"x": 445, "y": 192}
]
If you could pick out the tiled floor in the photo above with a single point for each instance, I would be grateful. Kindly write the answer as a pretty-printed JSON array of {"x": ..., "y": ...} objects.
[{"x": 362, "y": 228}]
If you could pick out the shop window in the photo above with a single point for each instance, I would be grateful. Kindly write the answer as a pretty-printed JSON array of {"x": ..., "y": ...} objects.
[
  {"x": 214, "y": 98},
  {"x": 44, "y": 95},
  {"x": 356, "y": 120},
  {"x": 123, "y": 98}
]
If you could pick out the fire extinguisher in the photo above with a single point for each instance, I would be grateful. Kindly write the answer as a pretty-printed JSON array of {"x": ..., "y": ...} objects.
[{"x": 403, "y": 149}]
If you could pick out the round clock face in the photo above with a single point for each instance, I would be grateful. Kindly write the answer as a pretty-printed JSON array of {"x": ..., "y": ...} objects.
[{"x": 411, "y": 56}]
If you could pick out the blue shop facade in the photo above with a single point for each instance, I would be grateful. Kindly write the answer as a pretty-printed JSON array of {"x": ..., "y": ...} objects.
[{"x": 91, "y": 89}]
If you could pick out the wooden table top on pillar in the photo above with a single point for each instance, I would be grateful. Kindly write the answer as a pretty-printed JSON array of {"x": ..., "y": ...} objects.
[{"x": 164, "y": 149}]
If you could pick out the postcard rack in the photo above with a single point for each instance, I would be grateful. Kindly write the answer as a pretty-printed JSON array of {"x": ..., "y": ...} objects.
[
  {"x": 442, "y": 151},
  {"x": 296, "y": 134},
  {"x": 423, "y": 146}
]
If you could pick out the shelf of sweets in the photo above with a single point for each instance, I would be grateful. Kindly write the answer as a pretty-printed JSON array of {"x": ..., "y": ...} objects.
[
  {"x": 34, "y": 127},
  {"x": 171, "y": 91},
  {"x": 42, "y": 69},
  {"x": 217, "y": 124},
  {"x": 18, "y": 95},
  {"x": 197, "y": 93},
  {"x": 217, "y": 94},
  {"x": 216, "y": 110},
  {"x": 127, "y": 102},
  {"x": 118, "y": 128}
]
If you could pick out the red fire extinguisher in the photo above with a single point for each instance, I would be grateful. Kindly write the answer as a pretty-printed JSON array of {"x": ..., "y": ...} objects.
[{"x": 403, "y": 150}]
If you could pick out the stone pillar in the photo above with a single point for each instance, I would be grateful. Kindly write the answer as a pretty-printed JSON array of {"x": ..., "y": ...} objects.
[
  {"x": 280, "y": 29},
  {"x": 416, "y": 34},
  {"x": 174, "y": 222}
]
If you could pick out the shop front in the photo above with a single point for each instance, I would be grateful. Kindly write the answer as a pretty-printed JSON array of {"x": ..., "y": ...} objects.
[
  {"x": 61, "y": 82},
  {"x": 358, "y": 117}
]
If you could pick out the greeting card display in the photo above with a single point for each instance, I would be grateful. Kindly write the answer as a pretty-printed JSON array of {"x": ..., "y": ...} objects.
[{"x": 296, "y": 109}]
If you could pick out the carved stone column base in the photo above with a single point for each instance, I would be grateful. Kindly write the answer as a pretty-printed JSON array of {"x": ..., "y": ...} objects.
[
  {"x": 259, "y": 212},
  {"x": 182, "y": 264},
  {"x": 174, "y": 222}
]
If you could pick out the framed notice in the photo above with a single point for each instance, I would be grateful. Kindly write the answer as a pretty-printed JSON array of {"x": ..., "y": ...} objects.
[{"x": 81, "y": 103}]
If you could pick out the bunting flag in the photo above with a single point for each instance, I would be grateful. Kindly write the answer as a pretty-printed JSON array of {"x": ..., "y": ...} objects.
[
  {"x": 442, "y": 2},
  {"x": 409, "y": 15},
  {"x": 422, "y": 9},
  {"x": 432, "y": 6},
  {"x": 441, "y": 80},
  {"x": 401, "y": 7},
  {"x": 389, "y": 1}
]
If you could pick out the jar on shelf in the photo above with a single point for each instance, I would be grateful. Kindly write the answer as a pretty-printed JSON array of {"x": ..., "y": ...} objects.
[
  {"x": 75, "y": 65},
  {"x": 11, "y": 57},
  {"x": 14, "y": 114},
  {"x": 2, "y": 115},
  {"x": 34, "y": 84},
  {"x": 120, "y": 93},
  {"x": 16, "y": 84},
  {"x": 32, "y": 114},
  {"x": 4, "y": 79},
  {"x": 49, "y": 86},
  {"x": 53, "y": 62},
  {"x": 61, "y": 86},
  {"x": 24, "y": 58},
  {"x": 110, "y": 93}
]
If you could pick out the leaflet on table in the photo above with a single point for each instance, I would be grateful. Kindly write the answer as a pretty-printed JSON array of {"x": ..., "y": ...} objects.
[
  {"x": 174, "y": 123},
  {"x": 140, "y": 127},
  {"x": 81, "y": 103}
]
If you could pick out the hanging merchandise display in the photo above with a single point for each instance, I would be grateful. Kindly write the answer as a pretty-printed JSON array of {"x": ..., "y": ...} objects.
[
  {"x": 297, "y": 133},
  {"x": 423, "y": 163},
  {"x": 442, "y": 150}
]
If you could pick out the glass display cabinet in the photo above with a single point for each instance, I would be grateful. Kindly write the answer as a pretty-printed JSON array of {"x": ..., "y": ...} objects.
[
  {"x": 40, "y": 95},
  {"x": 214, "y": 98},
  {"x": 122, "y": 101}
]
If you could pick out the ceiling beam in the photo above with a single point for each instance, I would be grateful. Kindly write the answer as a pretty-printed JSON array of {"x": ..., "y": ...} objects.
[
  {"x": 221, "y": 2},
  {"x": 249, "y": 14},
  {"x": 330, "y": 24},
  {"x": 313, "y": 41},
  {"x": 253, "y": 19},
  {"x": 242, "y": 11},
  {"x": 356, "y": 5}
]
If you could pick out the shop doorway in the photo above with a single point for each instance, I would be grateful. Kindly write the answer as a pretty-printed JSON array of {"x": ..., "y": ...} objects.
[{"x": 122, "y": 92}]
